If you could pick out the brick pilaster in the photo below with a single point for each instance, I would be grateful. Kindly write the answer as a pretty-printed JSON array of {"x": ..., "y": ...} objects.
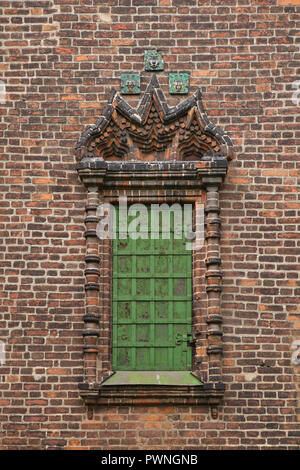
[{"x": 213, "y": 277}]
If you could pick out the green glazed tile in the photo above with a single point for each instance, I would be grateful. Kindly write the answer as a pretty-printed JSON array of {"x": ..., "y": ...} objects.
[
  {"x": 178, "y": 83},
  {"x": 153, "y": 61},
  {"x": 130, "y": 84}
]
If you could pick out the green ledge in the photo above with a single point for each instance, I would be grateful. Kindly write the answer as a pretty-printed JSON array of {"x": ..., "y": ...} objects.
[{"x": 156, "y": 377}]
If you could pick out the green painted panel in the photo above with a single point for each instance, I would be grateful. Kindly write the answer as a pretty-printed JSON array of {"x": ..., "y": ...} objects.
[
  {"x": 142, "y": 359},
  {"x": 152, "y": 302},
  {"x": 162, "y": 311},
  {"x": 143, "y": 264},
  {"x": 124, "y": 264},
  {"x": 124, "y": 312},
  {"x": 161, "y": 264},
  {"x": 161, "y": 358},
  {"x": 143, "y": 311}
]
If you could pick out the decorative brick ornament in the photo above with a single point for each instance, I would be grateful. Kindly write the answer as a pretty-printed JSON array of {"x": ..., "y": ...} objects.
[
  {"x": 130, "y": 84},
  {"x": 182, "y": 132},
  {"x": 178, "y": 83},
  {"x": 153, "y": 61}
]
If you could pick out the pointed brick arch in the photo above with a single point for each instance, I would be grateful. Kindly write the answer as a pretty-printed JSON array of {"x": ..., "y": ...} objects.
[{"x": 183, "y": 132}]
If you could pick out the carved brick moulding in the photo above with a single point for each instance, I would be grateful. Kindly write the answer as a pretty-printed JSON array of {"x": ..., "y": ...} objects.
[
  {"x": 153, "y": 130},
  {"x": 152, "y": 154}
]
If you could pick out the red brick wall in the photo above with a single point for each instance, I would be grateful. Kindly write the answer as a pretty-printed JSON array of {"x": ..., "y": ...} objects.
[{"x": 59, "y": 60}]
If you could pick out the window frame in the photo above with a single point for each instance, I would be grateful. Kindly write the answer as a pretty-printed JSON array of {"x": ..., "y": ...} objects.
[{"x": 106, "y": 181}]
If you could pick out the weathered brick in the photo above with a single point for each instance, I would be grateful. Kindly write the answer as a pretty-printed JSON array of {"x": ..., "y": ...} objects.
[{"x": 245, "y": 60}]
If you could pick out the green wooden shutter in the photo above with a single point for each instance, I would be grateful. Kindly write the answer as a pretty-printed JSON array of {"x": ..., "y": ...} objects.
[{"x": 152, "y": 303}]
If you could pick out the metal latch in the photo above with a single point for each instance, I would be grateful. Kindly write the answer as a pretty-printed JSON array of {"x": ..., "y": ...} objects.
[{"x": 188, "y": 338}]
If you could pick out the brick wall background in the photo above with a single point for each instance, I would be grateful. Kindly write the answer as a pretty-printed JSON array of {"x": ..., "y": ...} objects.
[{"x": 59, "y": 60}]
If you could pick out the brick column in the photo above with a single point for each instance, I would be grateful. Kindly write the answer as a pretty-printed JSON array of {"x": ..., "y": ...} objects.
[
  {"x": 213, "y": 277},
  {"x": 91, "y": 317}
]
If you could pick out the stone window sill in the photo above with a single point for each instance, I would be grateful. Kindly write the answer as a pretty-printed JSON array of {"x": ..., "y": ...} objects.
[{"x": 152, "y": 387}]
